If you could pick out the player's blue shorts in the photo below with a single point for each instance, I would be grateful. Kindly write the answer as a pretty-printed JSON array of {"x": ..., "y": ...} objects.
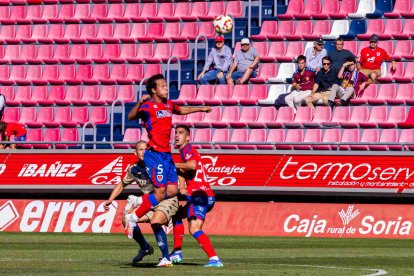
[
  {"x": 199, "y": 206},
  {"x": 20, "y": 138},
  {"x": 161, "y": 168}
]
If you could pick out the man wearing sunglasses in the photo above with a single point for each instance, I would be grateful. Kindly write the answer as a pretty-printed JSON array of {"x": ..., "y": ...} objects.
[
  {"x": 314, "y": 55},
  {"x": 353, "y": 82},
  {"x": 371, "y": 59},
  {"x": 324, "y": 81},
  {"x": 219, "y": 59}
]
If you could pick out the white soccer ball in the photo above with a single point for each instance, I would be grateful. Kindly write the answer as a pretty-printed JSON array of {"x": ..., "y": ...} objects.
[{"x": 223, "y": 24}]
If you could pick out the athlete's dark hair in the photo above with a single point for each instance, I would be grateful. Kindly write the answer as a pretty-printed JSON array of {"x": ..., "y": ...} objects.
[
  {"x": 152, "y": 82},
  {"x": 350, "y": 59},
  {"x": 3, "y": 126},
  {"x": 327, "y": 58},
  {"x": 187, "y": 129},
  {"x": 300, "y": 58}
]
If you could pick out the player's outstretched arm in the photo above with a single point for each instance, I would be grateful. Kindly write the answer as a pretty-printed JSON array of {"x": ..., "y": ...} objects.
[
  {"x": 115, "y": 193},
  {"x": 133, "y": 114},
  {"x": 184, "y": 110},
  {"x": 187, "y": 165}
]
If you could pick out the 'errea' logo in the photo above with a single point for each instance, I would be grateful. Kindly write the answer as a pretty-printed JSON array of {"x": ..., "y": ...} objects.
[{"x": 110, "y": 174}]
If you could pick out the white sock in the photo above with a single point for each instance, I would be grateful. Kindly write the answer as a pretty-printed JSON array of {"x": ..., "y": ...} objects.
[
  {"x": 134, "y": 217},
  {"x": 214, "y": 258}
]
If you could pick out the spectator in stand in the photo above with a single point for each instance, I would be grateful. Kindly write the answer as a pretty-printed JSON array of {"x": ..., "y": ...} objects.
[
  {"x": 353, "y": 82},
  {"x": 246, "y": 62},
  {"x": 9, "y": 129},
  {"x": 2, "y": 105},
  {"x": 314, "y": 55},
  {"x": 219, "y": 59},
  {"x": 371, "y": 59},
  {"x": 303, "y": 80},
  {"x": 340, "y": 55},
  {"x": 324, "y": 81}
]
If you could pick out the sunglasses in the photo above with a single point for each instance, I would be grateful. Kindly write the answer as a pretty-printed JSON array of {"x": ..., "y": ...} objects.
[
  {"x": 373, "y": 42},
  {"x": 326, "y": 64}
]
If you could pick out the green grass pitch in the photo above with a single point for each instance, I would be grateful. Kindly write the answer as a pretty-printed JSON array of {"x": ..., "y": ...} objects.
[{"x": 110, "y": 254}]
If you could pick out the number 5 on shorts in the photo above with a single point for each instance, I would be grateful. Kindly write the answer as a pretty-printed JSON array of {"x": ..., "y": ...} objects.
[{"x": 160, "y": 170}]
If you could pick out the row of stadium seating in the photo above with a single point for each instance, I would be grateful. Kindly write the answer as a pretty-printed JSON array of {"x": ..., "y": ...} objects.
[{"x": 118, "y": 12}]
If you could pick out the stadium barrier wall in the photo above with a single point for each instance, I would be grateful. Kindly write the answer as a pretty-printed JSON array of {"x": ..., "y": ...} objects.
[
  {"x": 239, "y": 171},
  {"x": 226, "y": 218}
]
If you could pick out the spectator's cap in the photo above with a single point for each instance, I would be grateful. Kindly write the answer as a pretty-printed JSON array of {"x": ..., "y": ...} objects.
[
  {"x": 245, "y": 41},
  {"x": 374, "y": 38},
  {"x": 319, "y": 41},
  {"x": 219, "y": 39}
]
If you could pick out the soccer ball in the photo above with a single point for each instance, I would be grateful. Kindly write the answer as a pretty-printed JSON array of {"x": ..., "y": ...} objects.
[{"x": 223, "y": 24}]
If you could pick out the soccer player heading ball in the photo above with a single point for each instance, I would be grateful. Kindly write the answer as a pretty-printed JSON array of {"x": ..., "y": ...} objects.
[{"x": 155, "y": 111}]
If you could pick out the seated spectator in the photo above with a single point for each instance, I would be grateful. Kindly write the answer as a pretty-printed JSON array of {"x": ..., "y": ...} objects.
[
  {"x": 9, "y": 129},
  {"x": 324, "y": 81},
  {"x": 371, "y": 59},
  {"x": 303, "y": 80},
  {"x": 353, "y": 82},
  {"x": 314, "y": 55},
  {"x": 340, "y": 55},
  {"x": 246, "y": 62},
  {"x": 2, "y": 105},
  {"x": 219, "y": 59}
]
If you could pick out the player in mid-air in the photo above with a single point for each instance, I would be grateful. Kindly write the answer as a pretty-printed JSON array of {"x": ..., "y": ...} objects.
[
  {"x": 155, "y": 111},
  {"x": 161, "y": 214},
  {"x": 200, "y": 198}
]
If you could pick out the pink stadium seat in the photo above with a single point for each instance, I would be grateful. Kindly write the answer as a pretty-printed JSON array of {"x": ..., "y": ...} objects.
[
  {"x": 248, "y": 114},
  {"x": 23, "y": 34},
  {"x": 216, "y": 9},
  {"x": 172, "y": 31},
  {"x": 387, "y": 136},
  {"x": 57, "y": 93},
  {"x": 408, "y": 30},
  {"x": 189, "y": 31},
  {"x": 89, "y": 93},
  {"x": 192, "y": 118},
  {"x": 99, "y": 115},
  {"x": 150, "y": 11},
  {"x": 312, "y": 8},
  {"x": 398, "y": 75},
  {"x": 162, "y": 53},
  {"x": 99, "y": 13},
  {"x": 166, "y": 10},
  {"x": 378, "y": 114},
  {"x": 123, "y": 32},
  {"x": 18, "y": 15},
  {"x": 408, "y": 13},
  {"x": 78, "y": 52},
  {"x": 207, "y": 29},
  {"x": 235, "y": 9},
  {"x": 8, "y": 34},
  {"x": 404, "y": 94},
  {"x": 126, "y": 93},
  {"x": 239, "y": 137},
  {"x": 83, "y": 72},
  {"x": 34, "y": 14},
  {"x": 116, "y": 13},
  {"x": 72, "y": 33},
  {"x": 9, "y": 94},
  {"x": 181, "y": 9},
  {"x": 12, "y": 54},
  {"x": 403, "y": 49},
  {"x": 349, "y": 136},
  {"x": 368, "y": 136},
  {"x": 106, "y": 34},
  {"x": 256, "y": 136},
  {"x": 133, "y": 12},
  {"x": 23, "y": 95},
  {"x": 135, "y": 73},
  {"x": 230, "y": 114},
  {"x": 203, "y": 136},
  {"x": 110, "y": 53},
  {"x": 199, "y": 9},
  {"x": 311, "y": 136},
  {"x": 5, "y": 15},
  {"x": 386, "y": 92},
  {"x": 274, "y": 136},
  {"x": 11, "y": 114},
  {"x": 323, "y": 114},
  {"x": 120, "y": 71},
  {"x": 268, "y": 70},
  {"x": 222, "y": 135},
  {"x": 82, "y": 14},
  {"x": 29, "y": 54},
  {"x": 221, "y": 93},
  {"x": 155, "y": 30},
  {"x": 400, "y": 6},
  {"x": 394, "y": 27},
  {"x": 352, "y": 46},
  {"x": 292, "y": 136},
  {"x": 73, "y": 94},
  {"x": 320, "y": 28},
  {"x": 89, "y": 33},
  {"x": 181, "y": 51},
  {"x": 267, "y": 115},
  {"x": 285, "y": 28},
  {"x": 406, "y": 136},
  {"x": 106, "y": 95},
  {"x": 63, "y": 54},
  {"x": 44, "y": 117},
  {"x": 66, "y": 14},
  {"x": 131, "y": 135},
  {"x": 332, "y": 136},
  {"x": 100, "y": 74},
  {"x": 370, "y": 93},
  {"x": 347, "y": 6},
  {"x": 39, "y": 94},
  {"x": 294, "y": 49},
  {"x": 342, "y": 114},
  {"x": 68, "y": 135},
  {"x": 375, "y": 26},
  {"x": 303, "y": 115},
  {"x": 79, "y": 118},
  {"x": 94, "y": 54},
  {"x": 262, "y": 48},
  {"x": 258, "y": 92},
  {"x": 128, "y": 53},
  {"x": 187, "y": 92},
  {"x": 33, "y": 135},
  {"x": 284, "y": 115},
  {"x": 152, "y": 69},
  {"x": 329, "y": 7},
  {"x": 360, "y": 114},
  {"x": 204, "y": 93},
  {"x": 239, "y": 92},
  {"x": 409, "y": 121},
  {"x": 210, "y": 118},
  {"x": 268, "y": 28},
  {"x": 5, "y": 76},
  {"x": 277, "y": 49},
  {"x": 295, "y": 8},
  {"x": 49, "y": 14},
  {"x": 56, "y": 34},
  {"x": 406, "y": 76},
  {"x": 44, "y": 54},
  {"x": 303, "y": 27},
  {"x": 28, "y": 114},
  {"x": 2, "y": 49},
  {"x": 146, "y": 51},
  {"x": 51, "y": 135},
  {"x": 18, "y": 75},
  {"x": 397, "y": 115}
]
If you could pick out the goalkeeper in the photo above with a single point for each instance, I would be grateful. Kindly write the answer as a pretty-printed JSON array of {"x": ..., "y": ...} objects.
[{"x": 159, "y": 216}]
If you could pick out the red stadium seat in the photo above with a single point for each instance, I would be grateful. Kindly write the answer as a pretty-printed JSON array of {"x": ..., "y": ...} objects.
[
  {"x": 133, "y": 12},
  {"x": 394, "y": 27},
  {"x": 11, "y": 114},
  {"x": 303, "y": 27},
  {"x": 248, "y": 114},
  {"x": 204, "y": 93},
  {"x": 320, "y": 28},
  {"x": 267, "y": 115},
  {"x": 404, "y": 49},
  {"x": 371, "y": 136},
  {"x": 303, "y": 115},
  {"x": 161, "y": 54},
  {"x": 235, "y": 9},
  {"x": 323, "y": 114},
  {"x": 349, "y": 136},
  {"x": 111, "y": 52},
  {"x": 222, "y": 93},
  {"x": 216, "y": 9},
  {"x": 347, "y": 6},
  {"x": 166, "y": 10},
  {"x": 126, "y": 93},
  {"x": 311, "y": 9},
  {"x": 89, "y": 33},
  {"x": 342, "y": 114},
  {"x": 99, "y": 13},
  {"x": 73, "y": 94},
  {"x": 155, "y": 30},
  {"x": 50, "y": 13},
  {"x": 375, "y": 26},
  {"x": 378, "y": 114},
  {"x": 18, "y": 15},
  {"x": 274, "y": 136},
  {"x": 406, "y": 76},
  {"x": 409, "y": 121},
  {"x": 51, "y": 135},
  {"x": 203, "y": 136},
  {"x": 18, "y": 75},
  {"x": 408, "y": 13},
  {"x": 82, "y": 14},
  {"x": 207, "y": 29},
  {"x": 187, "y": 92},
  {"x": 294, "y": 49},
  {"x": 9, "y": 94},
  {"x": 221, "y": 135},
  {"x": 56, "y": 34},
  {"x": 210, "y": 118},
  {"x": 34, "y": 14},
  {"x": 295, "y": 7},
  {"x": 39, "y": 94},
  {"x": 99, "y": 115},
  {"x": 387, "y": 136},
  {"x": 106, "y": 95},
  {"x": 72, "y": 33},
  {"x": 268, "y": 28},
  {"x": 311, "y": 136},
  {"x": 79, "y": 118},
  {"x": 150, "y": 11},
  {"x": 238, "y": 136},
  {"x": 386, "y": 92},
  {"x": 181, "y": 51},
  {"x": 152, "y": 69},
  {"x": 172, "y": 31},
  {"x": 181, "y": 9},
  {"x": 408, "y": 30},
  {"x": 12, "y": 54},
  {"x": 397, "y": 115},
  {"x": 188, "y": 32},
  {"x": 129, "y": 52},
  {"x": 56, "y": 94},
  {"x": 398, "y": 75},
  {"x": 400, "y": 6},
  {"x": 285, "y": 115},
  {"x": 33, "y": 135},
  {"x": 23, "y": 34},
  {"x": 330, "y": 136},
  {"x": 131, "y": 135},
  {"x": 256, "y": 137},
  {"x": 286, "y": 28},
  {"x": 370, "y": 93},
  {"x": 258, "y": 92},
  {"x": 29, "y": 54},
  {"x": 8, "y": 34},
  {"x": 117, "y": 13},
  {"x": 68, "y": 135},
  {"x": 406, "y": 137},
  {"x": 267, "y": 70},
  {"x": 292, "y": 136},
  {"x": 66, "y": 14},
  {"x": 192, "y": 118},
  {"x": 239, "y": 92},
  {"x": 360, "y": 114},
  {"x": 276, "y": 50},
  {"x": 199, "y": 9},
  {"x": 23, "y": 96},
  {"x": 404, "y": 94}
]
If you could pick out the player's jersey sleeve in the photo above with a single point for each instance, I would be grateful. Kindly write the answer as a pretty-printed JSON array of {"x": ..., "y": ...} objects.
[
  {"x": 175, "y": 108},
  {"x": 144, "y": 112},
  {"x": 128, "y": 178}
]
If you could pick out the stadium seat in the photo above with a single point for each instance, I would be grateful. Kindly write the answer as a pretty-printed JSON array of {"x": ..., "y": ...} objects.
[
  {"x": 33, "y": 135},
  {"x": 149, "y": 10},
  {"x": 267, "y": 115},
  {"x": 181, "y": 9},
  {"x": 210, "y": 118},
  {"x": 18, "y": 75},
  {"x": 23, "y": 34},
  {"x": 126, "y": 93},
  {"x": 409, "y": 121},
  {"x": 386, "y": 91},
  {"x": 274, "y": 92},
  {"x": 295, "y": 7},
  {"x": 198, "y": 9},
  {"x": 364, "y": 7},
  {"x": 189, "y": 31},
  {"x": 230, "y": 114},
  {"x": 331, "y": 136},
  {"x": 403, "y": 50},
  {"x": 8, "y": 34},
  {"x": 400, "y": 6},
  {"x": 122, "y": 32},
  {"x": 262, "y": 49},
  {"x": 89, "y": 93},
  {"x": 68, "y": 135},
  {"x": 235, "y": 9},
  {"x": 320, "y": 28},
  {"x": 238, "y": 136},
  {"x": 39, "y": 94},
  {"x": 329, "y": 7},
  {"x": 172, "y": 31},
  {"x": 349, "y": 136},
  {"x": 394, "y": 27},
  {"x": 398, "y": 75},
  {"x": 162, "y": 53},
  {"x": 51, "y": 135},
  {"x": 387, "y": 136},
  {"x": 371, "y": 136},
  {"x": 375, "y": 26},
  {"x": 258, "y": 92},
  {"x": 146, "y": 51},
  {"x": 116, "y": 13},
  {"x": 269, "y": 28},
  {"x": 49, "y": 14},
  {"x": 285, "y": 72},
  {"x": 221, "y": 93},
  {"x": 29, "y": 54},
  {"x": 311, "y": 136},
  {"x": 99, "y": 115},
  {"x": 191, "y": 118},
  {"x": 339, "y": 27},
  {"x": 9, "y": 93},
  {"x": 106, "y": 34},
  {"x": 202, "y": 138},
  {"x": 406, "y": 137},
  {"x": 248, "y": 114},
  {"x": 267, "y": 70},
  {"x": 355, "y": 28},
  {"x": 323, "y": 114},
  {"x": 165, "y": 10},
  {"x": 303, "y": 27},
  {"x": 135, "y": 74},
  {"x": 23, "y": 96},
  {"x": 66, "y": 14},
  {"x": 347, "y": 7},
  {"x": 294, "y": 49},
  {"x": 56, "y": 93},
  {"x": 276, "y": 50},
  {"x": 40, "y": 33},
  {"x": 45, "y": 117},
  {"x": 11, "y": 114},
  {"x": 311, "y": 9},
  {"x": 205, "y": 92},
  {"x": 286, "y": 28},
  {"x": 360, "y": 114},
  {"x": 56, "y": 34},
  {"x": 370, "y": 93},
  {"x": 216, "y": 9},
  {"x": 404, "y": 94},
  {"x": 341, "y": 114},
  {"x": 408, "y": 13},
  {"x": 79, "y": 117},
  {"x": 396, "y": 115},
  {"x": 128, "y": 53},
  {"x": 106, "y": 95},
  {"x": 274, "y": 136},
  {"x": 292, "y": 136},
  {"x": 404, "y": 76},
  {"x": 187, "y": 92},
  {"x": 256, "y": 137},
  {"x": 378, "y": 114},
  {"x": 28, "y": 114},
  {"x": 131, "y": 135},
  {"x": 34, "y": 15},
  {"x": 5, "y": 12},
  {"x": 110, "y": 53},
  {"x": 239, "y": 92},
  {"x": 303, "y": 115},
  {"x": 220, "y": 136},
  {"x": 284, "y": 115},
  {"x": 12, "y": 54}
]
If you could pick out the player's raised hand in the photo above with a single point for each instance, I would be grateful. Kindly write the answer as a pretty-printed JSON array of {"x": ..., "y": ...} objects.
[
  {"x": 144, "y": 98},
  {"x": 206, "y": 109},
  {"x": 107, "y": 204}
]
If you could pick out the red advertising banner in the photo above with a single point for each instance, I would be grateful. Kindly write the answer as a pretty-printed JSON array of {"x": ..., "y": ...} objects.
[
  {"x": 226, "y": 218},
  {"x": 229, "y": 170}
]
